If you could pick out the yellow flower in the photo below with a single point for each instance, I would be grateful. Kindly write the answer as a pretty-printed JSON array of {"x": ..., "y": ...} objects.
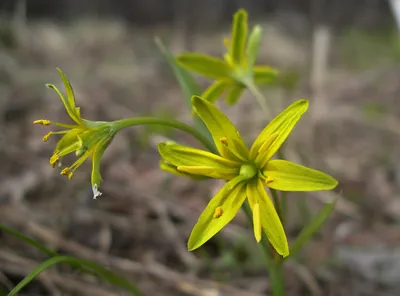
[
  {"x": 237, "y": 71},
  {"x": 84, "y": 137},
  {"x": 247, "y": 171}
]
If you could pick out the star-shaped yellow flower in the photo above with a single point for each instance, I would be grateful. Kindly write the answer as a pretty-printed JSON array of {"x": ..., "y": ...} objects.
[
  {"x": 237, "y": 71},
  {"x": 247, "y": 172},
  {"x": 86, "y": 138}
]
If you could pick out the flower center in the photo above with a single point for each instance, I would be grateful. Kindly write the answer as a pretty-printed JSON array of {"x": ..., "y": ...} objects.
[{"x": 248, "y": 171}]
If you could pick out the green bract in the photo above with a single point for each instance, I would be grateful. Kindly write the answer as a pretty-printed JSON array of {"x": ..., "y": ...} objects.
[
  {"x": 86, "y": 138},
  {"x": 247, "y": 172},
  {"x": 237, "y": 71}
]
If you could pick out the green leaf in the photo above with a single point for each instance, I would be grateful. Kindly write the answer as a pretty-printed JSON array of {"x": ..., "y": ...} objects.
[
  {"x": 253, "y": 46},
  {"x": 239, "y": 36},
  {"x": 102, "y": 272},
  {"x": 214, "y": 91},
  {"x": 287, "y": 176},
  {"x": 28, "y": 240},
  {"x": 264, "y": 74},
  {"x": 186, "y": 81},
  {"x": 205, "y": 65},
  {"x": 188, "y": 85},
  {"x": 234, "y": 94},
  {"x": 316, "y": 223}
]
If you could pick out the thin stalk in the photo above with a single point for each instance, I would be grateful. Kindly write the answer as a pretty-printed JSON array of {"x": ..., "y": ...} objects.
[
  {"x": 274, "y": 267},
  {"x": 260, "y": 98},
  {"x": 128, "y": 122}
]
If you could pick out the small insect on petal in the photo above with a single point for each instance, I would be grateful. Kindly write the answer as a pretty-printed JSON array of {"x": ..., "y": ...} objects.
[
  {"x": 96, "y": 192},
  {"x": 218, "y": 212},
  {"x": 42, "y": 122}
]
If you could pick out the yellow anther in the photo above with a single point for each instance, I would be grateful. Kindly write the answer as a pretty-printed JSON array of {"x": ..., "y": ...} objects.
[
  {"x": 53, "y": 159},
  {"x": 70, "y": 175},
  {"x": 46, "y": 137},
  {"x": 224, "y": 140},
  {"x": 65, "y": 172},
  {"x": 42, "y": 122},
  {"x": 268, "y": 180},
  {"x": 218, "y": 212}
]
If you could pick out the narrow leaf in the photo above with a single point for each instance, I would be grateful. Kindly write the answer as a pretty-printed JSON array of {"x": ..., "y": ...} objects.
[
  {"x": 315, "y": 224},
  {"x": 188, "y": 85},
  {"x": 102, "y": 272}
]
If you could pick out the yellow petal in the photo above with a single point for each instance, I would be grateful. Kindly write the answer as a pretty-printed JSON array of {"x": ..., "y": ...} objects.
[
  {"x": 212, "y": 172},
  {"x": 234, "y": 94},
  {"x": 282, "y": 124},
  {"x": 264, "y": 74},
  {"x": 170, "y": 168},
  {"x": 257, "y": 222},
  {"x": 268, "y": 216},
  {"x": 219, "y": 212},
  {"x": 205, "y": 65},
  {"x": 288, "y": 176},
  {"x": 98, "y": 152},
  {"x": 226, "y": 137},
  {"x": 239, "y": 37},
  {"x": 214, "y": 91},
  {"x": 179, "y": 155}
]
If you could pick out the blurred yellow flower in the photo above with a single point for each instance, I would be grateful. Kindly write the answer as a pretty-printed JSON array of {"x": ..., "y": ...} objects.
[{"x": 237, "y": 71}]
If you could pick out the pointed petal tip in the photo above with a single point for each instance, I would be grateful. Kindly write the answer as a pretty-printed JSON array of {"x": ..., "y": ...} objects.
[{"x": 196, "y": 100}]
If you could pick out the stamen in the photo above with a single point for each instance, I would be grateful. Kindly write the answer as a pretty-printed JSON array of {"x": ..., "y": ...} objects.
[
  {"x": 47, "y": 136},
  {"x": 42, "y": 122},
  {"x": 268, "y": 180},
  {"x": 218, "y": 212},
  {"x": 70, "y": 175},
  {"x": 224, "y": 141},
  {"x": 65, "y": 172},
  {"x": 54, "y": 158}
]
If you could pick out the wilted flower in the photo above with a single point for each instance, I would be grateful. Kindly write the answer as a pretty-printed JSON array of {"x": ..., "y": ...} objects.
[
  {"x": 84, "y": 137},
  {"x": 247, "y": 172}
]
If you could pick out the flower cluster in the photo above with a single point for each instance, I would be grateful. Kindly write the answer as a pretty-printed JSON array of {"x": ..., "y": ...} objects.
[{"x": 84, "y": 137}]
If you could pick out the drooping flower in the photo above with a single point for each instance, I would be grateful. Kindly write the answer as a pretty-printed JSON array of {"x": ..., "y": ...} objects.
[
  {"x": 84, "y": 137},
  {"x": 236, "y": 71},
  {"x": 247, "y": 172}
]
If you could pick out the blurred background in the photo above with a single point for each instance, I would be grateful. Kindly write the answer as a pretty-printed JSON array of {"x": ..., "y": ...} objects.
[{"x": 342, "y": 55}]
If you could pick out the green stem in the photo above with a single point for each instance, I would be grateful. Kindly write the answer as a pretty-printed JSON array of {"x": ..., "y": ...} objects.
[
  {"x": 274, "y": 267},
  {"x": 260, "y": 98},
  {"x": 128, "y": 122}
]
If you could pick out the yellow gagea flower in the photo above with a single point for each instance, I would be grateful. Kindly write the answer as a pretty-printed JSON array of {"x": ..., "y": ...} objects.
[
  {"x": 247, "y": 172},
  {"x": 86, "y": 138}
]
